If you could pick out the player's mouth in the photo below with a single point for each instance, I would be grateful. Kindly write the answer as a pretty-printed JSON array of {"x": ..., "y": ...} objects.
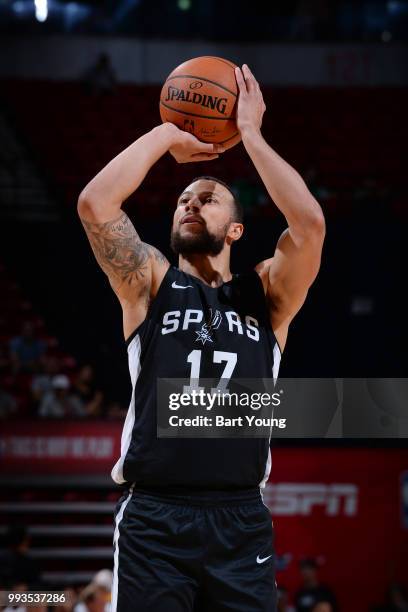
[{"x": 191, "y": 219}]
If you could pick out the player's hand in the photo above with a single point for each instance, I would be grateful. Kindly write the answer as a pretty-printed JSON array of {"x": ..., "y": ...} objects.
[
  {"x": 186, "y": 148},
  {"x": 251, "y": 105}
]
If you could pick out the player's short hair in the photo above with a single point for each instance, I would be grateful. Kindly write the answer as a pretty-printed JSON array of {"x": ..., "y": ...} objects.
[{"x": 238, "y": 215}]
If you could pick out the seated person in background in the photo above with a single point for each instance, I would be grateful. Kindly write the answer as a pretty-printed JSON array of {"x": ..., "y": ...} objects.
[
  {"x": 91, "y": 599},
  {"x": 26, "y": 351},
  {"x": 312, "y": 591},
  {"x": 283, "y": 600},
  {"x": 396, "y": 600},
  {"x": 101, "y": 587},
  {"x": 41, "y": 382},
  {"x": 85, "y": 391},
  {"x": 59, "y": 401},
  {"x": 114, "y": 410},
  {"x": 322, "y": 606},
  {"x": 69, "y": 603}
]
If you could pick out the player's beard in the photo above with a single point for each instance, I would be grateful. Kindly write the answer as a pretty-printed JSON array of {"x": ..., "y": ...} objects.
[{"x": 203, "y": 243}]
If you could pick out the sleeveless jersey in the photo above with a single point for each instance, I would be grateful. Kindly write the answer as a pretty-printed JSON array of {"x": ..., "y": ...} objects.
[{"x": 188, "y": 323}]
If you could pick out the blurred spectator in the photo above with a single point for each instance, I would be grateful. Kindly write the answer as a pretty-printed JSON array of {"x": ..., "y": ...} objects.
[
  {"x": 100, "y": 79},
  {"x": 322, "y": 606},
  {"x": 26, "y": 351},
  {"x": 16, "y": 566},
  {"x": 100, "y": 589},
  {"x": 93, "y": 598},
  {"x": 283, "y": 601},
  {"x": 396, "y": 600},
  {"x": 41, "y": 383},
  {"x": 114, "y": 410},
  {"x": 59, "y": 402},
  {"x": 17, "y": 587},
  {"x": 104, "y": 579},
  {"x": 70, "y": 601},
  {"x": 8, "y": 404},
  {"x": 86, "y": 393},
  {"x": 312, "y": 591}
]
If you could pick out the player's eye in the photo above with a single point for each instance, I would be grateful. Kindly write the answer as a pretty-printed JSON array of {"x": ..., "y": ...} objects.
[{"x": 210, "y": 199}]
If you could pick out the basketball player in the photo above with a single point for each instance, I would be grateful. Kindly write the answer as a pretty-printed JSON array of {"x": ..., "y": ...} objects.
[{"x": 192, "y": 532}]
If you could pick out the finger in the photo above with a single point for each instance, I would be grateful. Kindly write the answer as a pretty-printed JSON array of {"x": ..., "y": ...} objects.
[
  {"x": 251, "y": 74},
  {"x": 240, "y": 80},
  {"x": 203, "y": 156},
  {"x": 249, "y": 78},
  {"x": 208, "y": 148}
]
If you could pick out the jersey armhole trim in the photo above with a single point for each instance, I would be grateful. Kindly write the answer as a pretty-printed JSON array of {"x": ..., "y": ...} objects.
[
  {"x": 263, "y": 293},
  {"x": 151, "y": 306}
]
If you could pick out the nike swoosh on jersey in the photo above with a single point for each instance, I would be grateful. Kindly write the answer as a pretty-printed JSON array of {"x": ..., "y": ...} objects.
[
  {"x": 263, "y": 559},
  {"x": 176, "y": 286}
]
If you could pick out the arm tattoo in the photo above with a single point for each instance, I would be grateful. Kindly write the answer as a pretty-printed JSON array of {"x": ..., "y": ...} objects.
[{"x": 119, "y": 250}]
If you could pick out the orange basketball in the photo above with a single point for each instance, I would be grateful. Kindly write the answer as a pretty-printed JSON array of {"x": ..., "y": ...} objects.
[{"x": 200, "y": 96}]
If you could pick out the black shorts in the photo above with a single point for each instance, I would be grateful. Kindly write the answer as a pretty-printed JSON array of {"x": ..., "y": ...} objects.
[{"x": 185, "y": 553}]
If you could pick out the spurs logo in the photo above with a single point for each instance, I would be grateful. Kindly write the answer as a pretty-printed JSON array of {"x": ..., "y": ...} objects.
[{"x": 214, "y": 321}]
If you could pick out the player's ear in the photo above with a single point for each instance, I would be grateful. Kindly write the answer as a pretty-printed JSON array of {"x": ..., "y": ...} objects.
[{"x": 235, "y": 231}]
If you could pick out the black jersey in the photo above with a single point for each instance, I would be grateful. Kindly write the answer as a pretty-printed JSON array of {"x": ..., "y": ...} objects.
[{"x": 187, "y": 326}]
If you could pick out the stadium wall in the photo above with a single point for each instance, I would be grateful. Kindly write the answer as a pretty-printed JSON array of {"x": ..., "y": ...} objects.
[{"x": 145, "y": 61}]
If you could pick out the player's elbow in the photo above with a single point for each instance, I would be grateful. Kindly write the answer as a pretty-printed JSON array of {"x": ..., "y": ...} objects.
[
  {"x": 83, "y": 201},
  {"x": 318, "y": 224},
  {"x": 87, "y": 205},
  {"x": 313, "y": 222}
]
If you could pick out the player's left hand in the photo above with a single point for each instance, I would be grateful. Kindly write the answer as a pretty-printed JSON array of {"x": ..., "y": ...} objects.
[
  {"x": 185, "y": 147},
  {"x": 251, "y": 105}
]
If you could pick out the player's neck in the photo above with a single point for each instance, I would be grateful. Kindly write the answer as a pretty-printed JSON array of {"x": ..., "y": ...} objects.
[{"x": 212, "y": 270}]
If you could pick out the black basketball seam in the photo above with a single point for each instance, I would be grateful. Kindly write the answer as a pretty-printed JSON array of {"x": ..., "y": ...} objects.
[
  {"x": 176, "y": 110},
  {"x": 192, "y": 76}
]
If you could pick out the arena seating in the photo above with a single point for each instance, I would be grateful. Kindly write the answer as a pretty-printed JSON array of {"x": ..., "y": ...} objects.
[
  {"x": 338, "y": 132},
  {"x": 16, "y": 310},
  {"x": 70, "y": 522}
]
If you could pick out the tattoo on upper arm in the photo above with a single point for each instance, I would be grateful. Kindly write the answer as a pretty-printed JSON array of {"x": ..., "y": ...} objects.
[{"x": 119, "y": 250}]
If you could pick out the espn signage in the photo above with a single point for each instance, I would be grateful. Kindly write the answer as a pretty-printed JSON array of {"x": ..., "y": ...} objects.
[{"x": 291, "y": 499}]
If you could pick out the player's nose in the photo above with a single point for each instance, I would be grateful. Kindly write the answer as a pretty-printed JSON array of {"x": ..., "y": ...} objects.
[{"x": 194, "y": 203}]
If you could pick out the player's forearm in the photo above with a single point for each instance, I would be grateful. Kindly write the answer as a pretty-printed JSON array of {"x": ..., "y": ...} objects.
[
  {"x": 284, "y": 184},
  {"x": 102, "y": 198}
]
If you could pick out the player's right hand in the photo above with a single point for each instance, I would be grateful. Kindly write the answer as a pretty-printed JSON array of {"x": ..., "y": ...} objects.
[{"x": 186, "y": 148}]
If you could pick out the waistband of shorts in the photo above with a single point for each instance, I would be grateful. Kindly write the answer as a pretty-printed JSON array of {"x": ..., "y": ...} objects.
[{"x": 206, "y": 498}]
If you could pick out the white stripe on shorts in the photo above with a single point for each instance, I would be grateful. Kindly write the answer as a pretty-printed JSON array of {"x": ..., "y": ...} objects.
[{"x": 114, "y": 598}]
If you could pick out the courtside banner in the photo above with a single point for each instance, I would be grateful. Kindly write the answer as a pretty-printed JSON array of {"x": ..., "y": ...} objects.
[
  {"x": 288, "y": 408},
  {"x": 56, "y": 447}
]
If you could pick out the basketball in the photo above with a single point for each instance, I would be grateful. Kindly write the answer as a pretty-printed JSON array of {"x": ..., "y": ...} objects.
[{"x": 200, "y": 96}]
